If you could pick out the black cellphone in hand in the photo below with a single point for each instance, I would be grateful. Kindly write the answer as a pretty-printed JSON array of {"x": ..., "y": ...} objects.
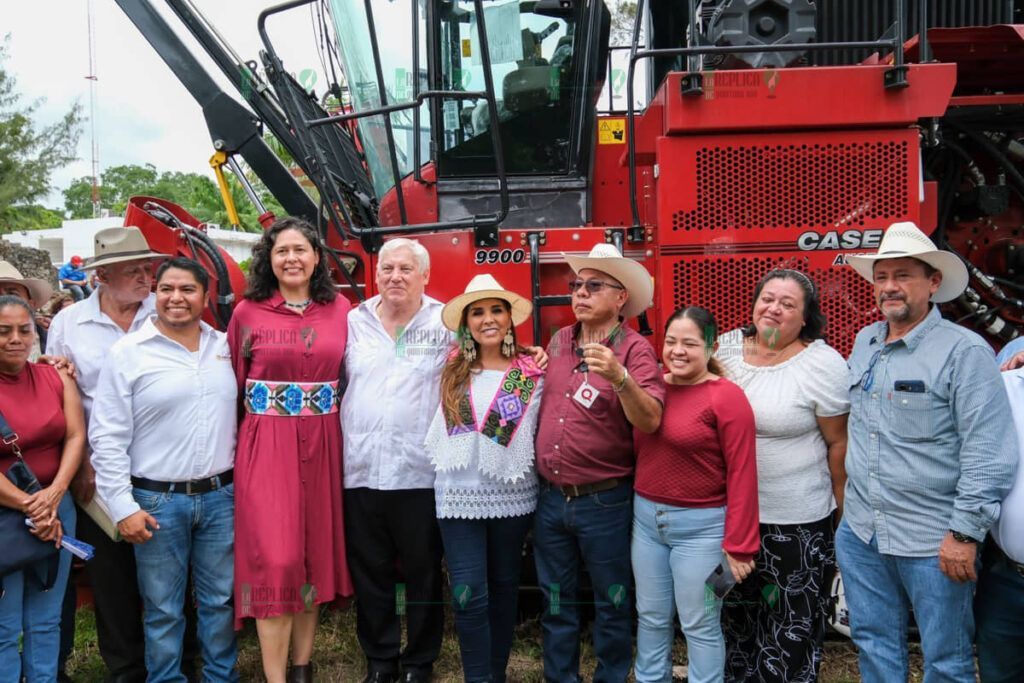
[{"x": 721, "y": 580}]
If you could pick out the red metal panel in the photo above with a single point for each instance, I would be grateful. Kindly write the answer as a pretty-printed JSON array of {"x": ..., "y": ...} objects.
[
  {"x": 610, "y": 181},
  {"x": 171, "y": 241},
  {"x": 767, "y": 191},
  {"x": 814, "y": 97},
  {"x": 988, "y": 58},
  {"x": 725, "y": 285}
]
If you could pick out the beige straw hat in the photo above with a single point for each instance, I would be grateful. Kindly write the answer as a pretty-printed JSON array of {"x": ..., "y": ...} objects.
[
  {"x": 633, "y": 276},
  {"x": 484, "y": 286},
  {"x": 903, "y": 240},
  {"x": 116, "y": 245},
  {"x": 39, "y": 291}
]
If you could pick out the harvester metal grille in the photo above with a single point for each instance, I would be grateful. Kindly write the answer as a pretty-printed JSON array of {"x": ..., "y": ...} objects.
[
  {"x": 825, "y": 185},
  {"x": 726, "y": 284}
]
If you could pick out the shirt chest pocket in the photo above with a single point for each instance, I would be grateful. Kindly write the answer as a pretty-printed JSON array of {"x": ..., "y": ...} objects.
[{"x": 917, "y": 415}]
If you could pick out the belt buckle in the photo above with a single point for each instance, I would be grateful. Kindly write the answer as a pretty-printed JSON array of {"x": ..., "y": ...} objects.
[
  {"x": 188, "y": 488},
  {"x": 573, "y": 492}
]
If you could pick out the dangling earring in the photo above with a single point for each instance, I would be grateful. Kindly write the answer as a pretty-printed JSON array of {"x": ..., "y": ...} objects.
[
  {"x": 508, "y": 344},
  {"x": 468, "y": 348}
]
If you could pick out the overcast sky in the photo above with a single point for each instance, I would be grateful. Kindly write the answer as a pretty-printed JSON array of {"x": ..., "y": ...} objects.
[{"x": 143, "y": 114}]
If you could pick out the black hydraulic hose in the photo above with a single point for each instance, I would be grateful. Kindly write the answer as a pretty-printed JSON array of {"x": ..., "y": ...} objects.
[
  {"x": 1011, "y": 170},
  {"x": 948, "y": 184},
  {"x": 225, "y": 296}
]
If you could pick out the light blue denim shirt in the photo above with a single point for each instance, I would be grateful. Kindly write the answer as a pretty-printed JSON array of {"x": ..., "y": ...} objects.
[{"x": 932, "y": 445}]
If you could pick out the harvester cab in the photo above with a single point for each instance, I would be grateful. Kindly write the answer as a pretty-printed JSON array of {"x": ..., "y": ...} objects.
[{"x": 711, "y": 141}]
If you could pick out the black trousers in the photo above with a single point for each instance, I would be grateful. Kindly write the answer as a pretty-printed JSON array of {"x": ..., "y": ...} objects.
[
  {"x": 394, "y": 556},
  {"x": 118, "y": 606}
]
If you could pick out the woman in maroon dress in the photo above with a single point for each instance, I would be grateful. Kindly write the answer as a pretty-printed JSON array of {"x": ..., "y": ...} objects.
[
  {"x": 287, "y": 342},
  {"x": 43, "y": 408}
]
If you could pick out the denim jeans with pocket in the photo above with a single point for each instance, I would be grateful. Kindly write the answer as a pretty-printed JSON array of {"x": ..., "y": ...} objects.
[
  {"x": 589, "y": 532},
  {"x": 999, "y": 611},
  {"x": 484, "y": 560},
  {"x": 674, "y": 550},
  {"x": 32, "y": 613},
  {"x": 881, "y": 589},
  {"x": 196, "y": 531}
]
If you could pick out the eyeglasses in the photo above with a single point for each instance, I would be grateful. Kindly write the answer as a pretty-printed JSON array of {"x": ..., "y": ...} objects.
[
  {"x": 868, "y": 378},
  {"x": 593, "y": 286}
]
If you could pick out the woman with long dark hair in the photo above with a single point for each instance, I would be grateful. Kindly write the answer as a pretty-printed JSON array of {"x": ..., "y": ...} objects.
[
  {"x": 481, "y": 444},
  {"x": 695, "y": 506},
  {"x": 287, "y": 341},
  {"x": 797, "y": 385}
]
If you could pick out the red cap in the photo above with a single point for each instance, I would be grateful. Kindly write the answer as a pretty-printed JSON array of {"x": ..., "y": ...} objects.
[{"x": 76, "y": 260}]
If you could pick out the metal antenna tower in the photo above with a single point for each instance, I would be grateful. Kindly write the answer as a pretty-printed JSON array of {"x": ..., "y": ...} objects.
[{"x": 93, "y": 78}]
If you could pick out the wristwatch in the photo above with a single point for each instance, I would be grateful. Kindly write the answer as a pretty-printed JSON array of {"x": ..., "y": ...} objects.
[{"x": 962, "y": 538}]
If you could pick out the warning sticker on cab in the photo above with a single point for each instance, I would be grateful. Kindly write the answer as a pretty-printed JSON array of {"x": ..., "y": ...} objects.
[
  {"x": 611, "y": 132},
  {"x": 467, "y": 47}
]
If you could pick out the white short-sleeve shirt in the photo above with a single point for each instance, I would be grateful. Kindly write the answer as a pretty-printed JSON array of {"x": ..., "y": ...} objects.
[{"x": 794, "y": 485}]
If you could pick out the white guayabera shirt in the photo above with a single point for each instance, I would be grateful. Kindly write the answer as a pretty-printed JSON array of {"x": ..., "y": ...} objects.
[{"x": 392, "y": 394}]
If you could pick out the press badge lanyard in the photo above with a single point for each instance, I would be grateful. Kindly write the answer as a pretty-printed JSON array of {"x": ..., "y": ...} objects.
[{"x": 586, "y": 394}]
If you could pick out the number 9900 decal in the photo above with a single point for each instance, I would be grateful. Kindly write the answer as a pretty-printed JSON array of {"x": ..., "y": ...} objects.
[{"x": 492, "y": 256}]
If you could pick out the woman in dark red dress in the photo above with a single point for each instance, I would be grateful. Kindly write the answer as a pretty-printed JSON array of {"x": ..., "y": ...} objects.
[{"x": 287, "y": 342}]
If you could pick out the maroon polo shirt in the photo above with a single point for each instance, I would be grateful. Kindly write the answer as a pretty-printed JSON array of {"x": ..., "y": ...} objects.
[{"x": 577, "y": 445}]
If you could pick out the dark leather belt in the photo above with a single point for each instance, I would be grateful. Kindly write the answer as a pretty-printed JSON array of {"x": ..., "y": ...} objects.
[
  {"x": 571, "y": 491},
  {"x": 189, "y": 488},
  {"x": 1016, "y": 566}
]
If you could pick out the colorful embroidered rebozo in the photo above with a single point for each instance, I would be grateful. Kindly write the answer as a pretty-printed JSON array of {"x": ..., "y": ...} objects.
[
  {"x": 508, "y": 406},
  {"x": 290, "y": 399}
]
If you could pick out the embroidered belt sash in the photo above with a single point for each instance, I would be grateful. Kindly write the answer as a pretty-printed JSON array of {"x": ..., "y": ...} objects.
[
  {"x": 291, "y": 399},
  {"x": 505, "y": 414}
]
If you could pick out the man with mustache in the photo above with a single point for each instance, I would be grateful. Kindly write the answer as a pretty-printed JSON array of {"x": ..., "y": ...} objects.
[
  {"x": 603, "y": 381},
  {"x": 931, "y": 454}
]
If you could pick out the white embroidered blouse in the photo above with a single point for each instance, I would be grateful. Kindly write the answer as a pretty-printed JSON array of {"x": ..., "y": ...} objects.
[{"x": 476, "y": 477}]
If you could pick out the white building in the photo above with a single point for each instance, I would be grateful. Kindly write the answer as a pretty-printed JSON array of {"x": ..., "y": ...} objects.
[{"x": 75, "y": 238}]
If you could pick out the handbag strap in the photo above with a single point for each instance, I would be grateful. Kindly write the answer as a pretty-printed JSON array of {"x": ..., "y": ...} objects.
[{"x": 9, "y": 437}]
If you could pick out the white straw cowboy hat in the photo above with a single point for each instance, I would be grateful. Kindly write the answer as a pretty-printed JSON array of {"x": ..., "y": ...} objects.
[
  {"x": 633, "y": 276},
  {"x": 39, "y": 291},
  {"x": 484, "y": 287},
  {"x": 903, "y": 240},
  {"x": 117, "y": 245}
]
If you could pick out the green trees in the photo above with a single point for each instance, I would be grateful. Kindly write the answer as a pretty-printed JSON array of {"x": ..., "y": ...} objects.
[
  {"x": 29, "y": 155},
  {"x": 197, "y": 193}
]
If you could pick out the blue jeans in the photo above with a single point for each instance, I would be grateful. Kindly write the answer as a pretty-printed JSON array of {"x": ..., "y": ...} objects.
[
  {"x": 484, "y": 558},
  {"x": 674, "y": 551},
  {"x": 79, "y": 292},
  {"x": 29, "y": 611},
  {"x": 880, "y": 589},
  {"x": 592, "y": 532},
  {"x": 196, "y": 531},
  {"x": 999, "y": 609}
]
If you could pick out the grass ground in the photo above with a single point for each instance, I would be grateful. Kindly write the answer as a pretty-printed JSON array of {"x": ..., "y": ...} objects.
[{"x": 338, "y": 657}]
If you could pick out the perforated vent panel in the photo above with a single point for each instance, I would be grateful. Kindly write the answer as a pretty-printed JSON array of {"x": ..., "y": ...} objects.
[
  {"x": 798, "y": 186},
  {"x": 725, "y": 285}
]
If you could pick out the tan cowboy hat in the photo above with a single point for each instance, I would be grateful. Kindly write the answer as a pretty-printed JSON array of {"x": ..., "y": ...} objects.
[
  {"x": 484, "y": 287},
  {"x": 117, "y": 245},
  {"x": 903, "y": 240},
  {"x": 634, "y": 277},
  {"x": 39, "y": 291}
]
